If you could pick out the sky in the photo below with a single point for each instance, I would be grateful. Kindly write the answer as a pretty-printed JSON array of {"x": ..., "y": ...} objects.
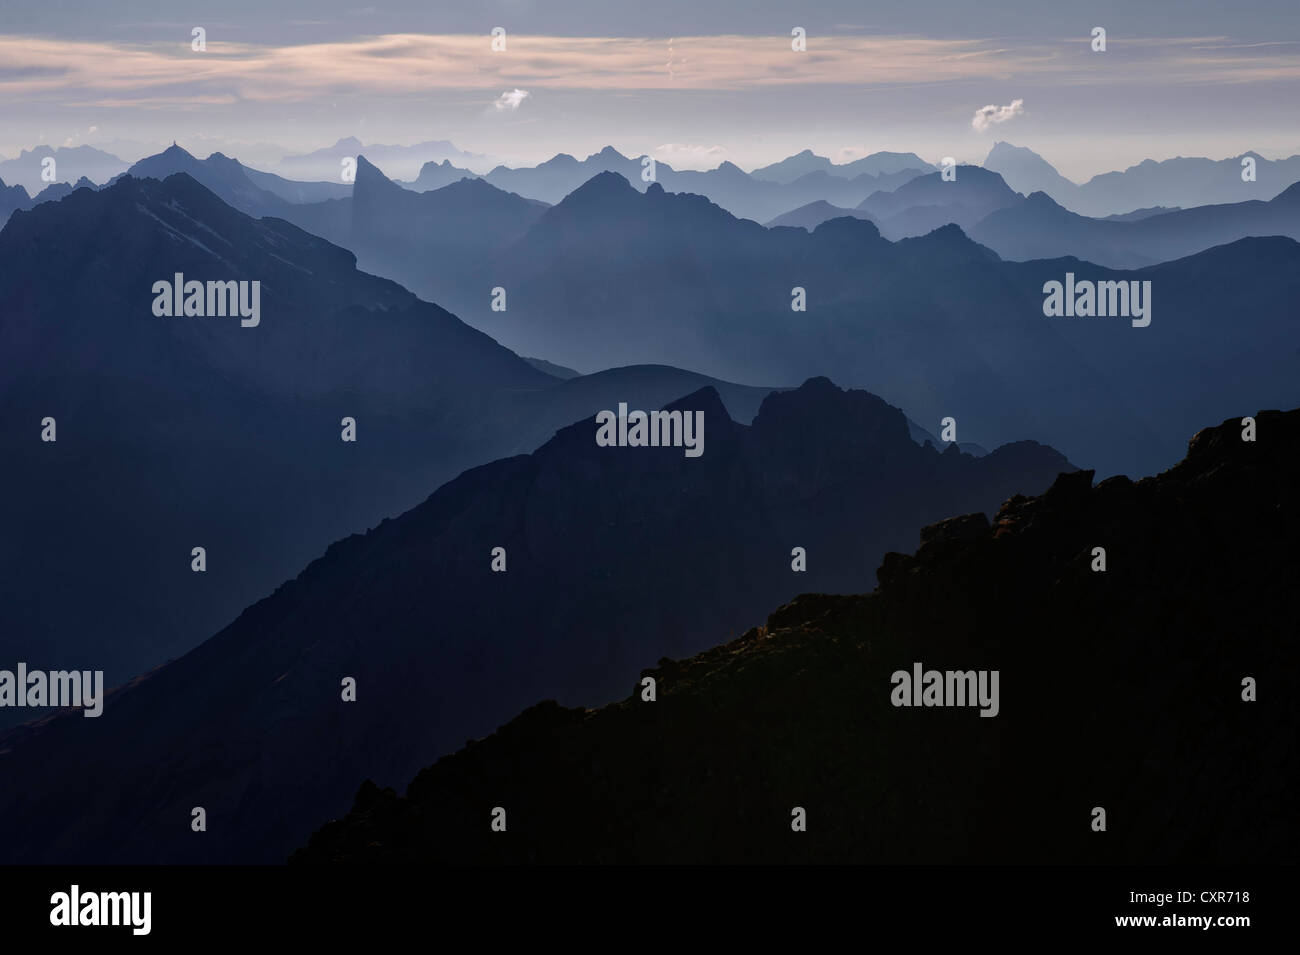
[{"x": 692, "y": 82}]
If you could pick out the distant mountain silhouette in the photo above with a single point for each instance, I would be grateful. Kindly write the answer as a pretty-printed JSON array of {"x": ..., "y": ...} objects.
[
  {"x": 12, "y": 198},
  {"x": 814, "y": 214},
  {"x": 248, "y": 190},
  {"x": 177, "y": 432},
  {"x": 929, "y": 202},
  {"x": 1025, "y": 171},
  {"x": 1138, "y": 214},
  {"x": 1120, "y": 690},
  {"x": 71, "y": 163},
  {"x": 397, "y": 161},
  {"x": 435, "y": 175},
  {"x": 219, "y": 173},
  {"x": 429, "y": 240},
  {"x": 1039, "y": 228},
  {"x": 291, "y": 190},
  {"x": 729, "y": 186},
  {"x": 936, "y": 324},
  {"x": 614, "y": 556},
  {"x": 1183, "y": 182},
  {"x": 876, "y": 164}
]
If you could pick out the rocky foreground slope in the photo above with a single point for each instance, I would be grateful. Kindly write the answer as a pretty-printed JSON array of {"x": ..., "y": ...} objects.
[{"x": 1119, "y": 689}]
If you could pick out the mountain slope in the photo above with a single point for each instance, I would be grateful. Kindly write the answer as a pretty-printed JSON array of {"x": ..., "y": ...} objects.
[
  {"x": 614, "y": 555},
  {"x": 12, "y": 198},
  {"x": 1120, "y": 690},
  {"x": 201, "y": 432},
  {"x": 180, "y": 432}
]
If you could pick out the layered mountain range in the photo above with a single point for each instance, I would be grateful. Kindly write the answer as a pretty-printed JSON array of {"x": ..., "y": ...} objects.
[
  {"x": 1183, "y": 181},
  {"x": 937, "y": 324},
  {"x": 1157, "y": 692},
  {"x": 609, "y": 556},
  {"x": 183, "y": 431}
]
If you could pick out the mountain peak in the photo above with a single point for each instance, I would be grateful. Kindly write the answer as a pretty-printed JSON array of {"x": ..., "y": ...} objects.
[
  {"x": 370, "y": 174},
  {"x": 603, "y": 185},
  {"x": 1005, "y": 148}
]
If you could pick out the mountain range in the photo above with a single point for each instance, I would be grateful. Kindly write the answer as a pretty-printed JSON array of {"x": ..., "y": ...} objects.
[
  {"x": 199, "y": 432},
  {"x": 1039, "y": 228},
  {"x": 1120, "y": 692},
  {"x": 937, "y": 324},
  {"x": 610, "y": 556},
  {"x": 401, "y": 161},
  {"x": 986, "y": 353},
  {"x": 1182, "y": 181},
  {"x": 71, "y": 163},
  {"x": 876, "y": 164},
  {"x": 747, "y": 196},
  {"x": 14, "y": 198}
]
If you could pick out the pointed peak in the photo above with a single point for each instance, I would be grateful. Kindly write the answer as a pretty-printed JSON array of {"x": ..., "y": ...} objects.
[
  {"x": 602, "y": 186},
  {"x": 371, "y": 176}
]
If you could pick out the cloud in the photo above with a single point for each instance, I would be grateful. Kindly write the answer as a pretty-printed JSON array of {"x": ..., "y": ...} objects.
[
  {"x": 170, "y": 75},
  {"x": 986, "y": 117},
  {"x": 511, "y": 100}
]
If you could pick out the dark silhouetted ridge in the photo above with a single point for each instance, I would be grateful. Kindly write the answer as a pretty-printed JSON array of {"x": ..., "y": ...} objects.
[{"x": 1120, "y": 690}]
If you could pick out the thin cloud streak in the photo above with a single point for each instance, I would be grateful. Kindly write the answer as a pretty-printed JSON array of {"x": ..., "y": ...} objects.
[{"x": 104, "y": 72}]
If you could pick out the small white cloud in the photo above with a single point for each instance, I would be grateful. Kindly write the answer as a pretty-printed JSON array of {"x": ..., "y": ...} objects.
[
  {"x": 511, "y": 100},
  {"x": 989, "y": 115}
]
